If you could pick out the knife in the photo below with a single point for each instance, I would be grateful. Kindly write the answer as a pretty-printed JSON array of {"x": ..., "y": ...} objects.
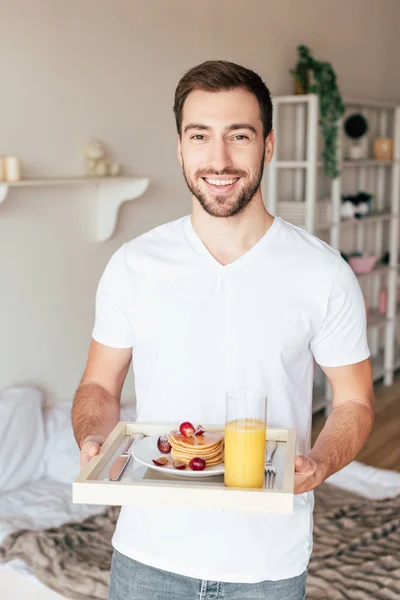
[{"x": 120, "y": 463}]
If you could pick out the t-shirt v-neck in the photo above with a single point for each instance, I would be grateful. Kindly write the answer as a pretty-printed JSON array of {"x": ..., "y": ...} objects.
[
  {"x": 251, "y": 254},
  {"x": 199, "y": 329}
]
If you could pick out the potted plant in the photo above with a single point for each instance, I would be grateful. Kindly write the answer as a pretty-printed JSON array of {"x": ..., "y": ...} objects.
[
  {"x": 356, "y": 128},
  {"x": 356, "y": 205},
  {"x": 331, "y": 104},
  {"x": 362, "y": 262}
]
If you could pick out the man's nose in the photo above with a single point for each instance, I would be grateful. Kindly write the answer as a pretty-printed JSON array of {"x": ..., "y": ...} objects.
[{"x": 220, "y": 157}]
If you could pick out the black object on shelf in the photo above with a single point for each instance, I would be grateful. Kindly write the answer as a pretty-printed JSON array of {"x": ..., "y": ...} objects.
[
  {"x": 356, "y": 126},
  {"x": 361, "y": 202}
]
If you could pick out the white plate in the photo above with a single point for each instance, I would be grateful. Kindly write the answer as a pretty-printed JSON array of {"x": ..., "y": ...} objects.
[{"x": 146, "y": 450}]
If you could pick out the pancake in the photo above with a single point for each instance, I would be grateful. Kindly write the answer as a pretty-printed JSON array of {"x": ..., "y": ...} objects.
[
  {"x": 199, "y": 451},
  {"x": 216, "y": 460},
  {"x": 179, "y": 453},
  {"x": 209, "y": 446},
  {"x": 206, "y": 440}
]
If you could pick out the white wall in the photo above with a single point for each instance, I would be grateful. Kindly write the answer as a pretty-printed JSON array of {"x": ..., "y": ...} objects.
[{"x": 74, "y": 70}]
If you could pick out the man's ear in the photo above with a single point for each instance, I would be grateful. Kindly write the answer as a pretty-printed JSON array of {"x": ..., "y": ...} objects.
[
  {"x": 269, "y": 146},
  {"x": 179, "y": 148}
]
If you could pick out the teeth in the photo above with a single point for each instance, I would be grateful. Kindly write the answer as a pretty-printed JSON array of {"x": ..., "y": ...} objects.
[{"x": 219, "y": 182}]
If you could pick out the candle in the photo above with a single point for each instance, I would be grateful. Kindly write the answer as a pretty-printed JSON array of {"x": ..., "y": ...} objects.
[
  {"x": 383, "y": 148},
  {"x": 2, "y": 169},
  {"x": 13, "y": 170}
]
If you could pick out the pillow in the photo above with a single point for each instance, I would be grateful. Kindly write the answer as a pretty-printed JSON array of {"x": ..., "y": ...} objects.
[
  {"x": 21, "y": 437},
  {"x": 61, "y": 454}
]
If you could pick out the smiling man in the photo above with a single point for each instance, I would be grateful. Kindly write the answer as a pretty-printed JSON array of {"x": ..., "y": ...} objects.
[
  {"x": 229, "y": 297},
  {"x": 228, "y": 194}
]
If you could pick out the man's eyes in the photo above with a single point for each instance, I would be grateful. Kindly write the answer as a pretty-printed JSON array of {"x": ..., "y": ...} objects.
[{"x": 239, "y": 137}]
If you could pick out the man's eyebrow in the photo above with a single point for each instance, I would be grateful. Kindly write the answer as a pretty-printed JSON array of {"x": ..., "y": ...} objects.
[
  {"x": 233, "y": 127},
  {"x": 236, "y": 126},
  {"x": 196, "y": 126}
]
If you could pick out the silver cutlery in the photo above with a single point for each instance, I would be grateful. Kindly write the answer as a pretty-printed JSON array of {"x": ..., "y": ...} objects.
[
  {"x": 270, "y": 470},
  {"x": 120, "y": 463}
]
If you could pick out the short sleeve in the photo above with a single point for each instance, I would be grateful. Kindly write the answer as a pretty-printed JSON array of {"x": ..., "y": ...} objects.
[
  {"x": 342, "y": 337},
  {"x": 112, "y": 326}
]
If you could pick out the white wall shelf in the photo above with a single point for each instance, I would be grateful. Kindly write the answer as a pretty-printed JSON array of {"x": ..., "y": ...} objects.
[
  {"x": 367, "y": 162},
  {"x": 111, "y": 192},
  {"x": 378, "y": 372},
  {"x": 376, "y": 319},
  {"x": 370, "y": 162},
  {"x": 291, "y": 164},
  {"x": 378, "y": 217},
  {"x": 379, "y": 270},
  {"x": 378, "y": 363},
  {"x": 297, "y": 145}
]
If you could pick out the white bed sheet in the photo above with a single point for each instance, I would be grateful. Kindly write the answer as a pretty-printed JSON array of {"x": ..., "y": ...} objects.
[
  {"x": 48, "y": 503},
  {"x": 367, "y": 481},
  {"x": 38, "y": 505},
  {"x": 15, "y": 587}
]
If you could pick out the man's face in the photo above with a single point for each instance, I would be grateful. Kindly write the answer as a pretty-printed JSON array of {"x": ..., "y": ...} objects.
[{"x": 222, "y": 150}]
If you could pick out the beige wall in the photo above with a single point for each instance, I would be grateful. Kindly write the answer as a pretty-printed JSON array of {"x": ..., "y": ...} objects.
[{"x": 72, "y": 70}]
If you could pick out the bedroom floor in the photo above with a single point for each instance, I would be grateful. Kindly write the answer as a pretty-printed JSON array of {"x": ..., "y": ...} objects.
[{"x": 382, "y": 449}]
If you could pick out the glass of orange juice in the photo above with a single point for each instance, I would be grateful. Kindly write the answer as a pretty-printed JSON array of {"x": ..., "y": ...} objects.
[{"x": 245, "y": 438}]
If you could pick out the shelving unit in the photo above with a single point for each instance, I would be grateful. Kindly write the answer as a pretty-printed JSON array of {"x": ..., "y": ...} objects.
[
  {"x": 298, "y": 146},
  {"x": 111, "y": 193}
]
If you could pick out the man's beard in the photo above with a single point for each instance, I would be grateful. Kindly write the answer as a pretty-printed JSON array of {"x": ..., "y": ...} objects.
[{"x": 224, "y": 206}]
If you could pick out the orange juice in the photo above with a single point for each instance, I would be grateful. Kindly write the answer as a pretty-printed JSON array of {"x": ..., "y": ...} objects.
[{"x": 245, "y": 453}]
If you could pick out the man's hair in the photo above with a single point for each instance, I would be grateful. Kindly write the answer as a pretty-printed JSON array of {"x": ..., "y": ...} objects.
[{"x": 221, "y": 75}]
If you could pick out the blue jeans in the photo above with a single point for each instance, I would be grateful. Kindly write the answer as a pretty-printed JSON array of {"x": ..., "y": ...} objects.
[{"x": 132, "y": 580}]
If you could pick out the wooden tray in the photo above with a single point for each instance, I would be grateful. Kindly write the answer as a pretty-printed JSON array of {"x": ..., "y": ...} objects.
[{"x": 145, "y": 487}]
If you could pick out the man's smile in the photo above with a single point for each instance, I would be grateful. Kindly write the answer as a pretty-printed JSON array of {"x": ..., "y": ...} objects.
[{"x": 222, "y": 186}]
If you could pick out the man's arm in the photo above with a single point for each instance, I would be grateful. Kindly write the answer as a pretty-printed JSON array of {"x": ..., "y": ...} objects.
[
  {"x": 346, "y": 429},
  {"x": 96, "y": 407}
]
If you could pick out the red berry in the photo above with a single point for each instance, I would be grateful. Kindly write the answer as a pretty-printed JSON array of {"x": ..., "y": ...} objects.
[
  {"x": 178, "y": 464},
  {"x": 199, "y": 430},
  {"x": 197, "y": 464},
  {"x": 163, "y": 444},
  {"x": 161, "y": 462},
  {"x": 186, "y": 429}
]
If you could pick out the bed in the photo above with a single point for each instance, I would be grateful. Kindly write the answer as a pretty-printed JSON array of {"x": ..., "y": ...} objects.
[
  {"x": 36, "y": 505},
  {"x": 45, "y": 502},
  {"x": 35, "y": 479}
]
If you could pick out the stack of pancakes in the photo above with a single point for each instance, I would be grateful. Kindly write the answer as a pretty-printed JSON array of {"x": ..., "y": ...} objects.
[{"x": 209, "y": 446}]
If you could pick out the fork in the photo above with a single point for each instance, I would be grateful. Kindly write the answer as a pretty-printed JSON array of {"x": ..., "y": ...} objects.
[{"x": 270, "y": 470}]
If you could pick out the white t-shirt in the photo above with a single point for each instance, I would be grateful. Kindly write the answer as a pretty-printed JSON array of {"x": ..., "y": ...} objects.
[{"x": 199, "y": 329}]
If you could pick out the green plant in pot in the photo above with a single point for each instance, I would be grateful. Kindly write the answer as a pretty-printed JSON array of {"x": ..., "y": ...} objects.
[
  {"x": 355, "y": 127},
  {"x": 324, "y": 83},
  {"x": 360, "y": 202}
]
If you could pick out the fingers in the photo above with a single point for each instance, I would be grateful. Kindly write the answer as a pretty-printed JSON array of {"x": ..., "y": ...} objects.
[
  {"x": 304, "y": 465},
  {"x": 306, "y": 476},
  {"x": 300, "y": 463},
  {"x": 90, "y": 448}
]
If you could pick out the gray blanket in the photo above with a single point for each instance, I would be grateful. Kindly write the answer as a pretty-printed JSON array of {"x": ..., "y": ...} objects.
[{"x": 356, "y": 551}]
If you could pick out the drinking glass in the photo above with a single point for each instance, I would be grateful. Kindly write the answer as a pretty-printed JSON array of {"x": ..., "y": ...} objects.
[{"x": 245, "y": 438}]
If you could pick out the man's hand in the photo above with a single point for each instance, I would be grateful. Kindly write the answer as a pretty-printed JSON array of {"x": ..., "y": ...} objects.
[
  {"x": 346, "y": 429},
  {"x": 307, "y": 474},
  {"x": 96, "y": 407},
  {"x": 90, "y": 447}
]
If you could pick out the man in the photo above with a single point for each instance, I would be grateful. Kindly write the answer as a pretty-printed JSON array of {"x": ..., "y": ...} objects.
[{"x": 227, "y": 298}]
